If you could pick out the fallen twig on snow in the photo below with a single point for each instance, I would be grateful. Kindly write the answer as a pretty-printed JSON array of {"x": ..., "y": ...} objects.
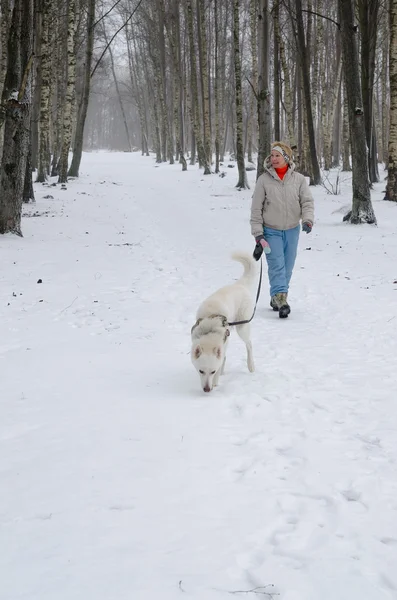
[{"x": 258, "y": 590}]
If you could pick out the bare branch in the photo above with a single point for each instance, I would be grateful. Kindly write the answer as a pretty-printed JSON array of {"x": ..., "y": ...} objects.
[
  {"x": 106, "y": 14},
  {"x": 114, "y": 35},
  {"x": 312, "y": 12},
  {"x": 253, "y": 89}
]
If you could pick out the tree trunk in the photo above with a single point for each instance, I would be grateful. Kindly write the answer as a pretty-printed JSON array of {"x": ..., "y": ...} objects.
[
  {"x": 384, "y": 91},
  {"x": 242, "y": 174},
  {"x": 28, "y": 191},
  {"x": 276, "y": 76},
  {"x": 346, "y": 134},
  {"x": 44, "y": 157},
  {"x": 70, "y": 89},
  {"x": 193, "y": 88},
  {"x": 175, "y": 44},
  {"x": 17, "y": 91},
  {"x": 304, "y": 61},
  {"x": 38, "y": 20},
  {"x": 253, "y": 18},
  {"x": 119, "y": 98},
  {"x": 216, "y": 87},
  {"x": 368, "y": 11},
  {"x": 136, "y": 78},
  {"x": 329, "y": 130},
  {"x": 362, "y": 211},
  {"x": 85, "y": 94},
  {"x": 6, "y": 14},
  {"x": 203, "y": 54},
  {"x": 391, "y": 188},
  {"x": 288, "y": 93},
  {"x": 264, "y": 118},
  {"x": 58, "y": 67}
]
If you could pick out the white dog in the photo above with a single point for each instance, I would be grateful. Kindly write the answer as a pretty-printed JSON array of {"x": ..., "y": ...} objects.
[{"x": 211, "y": 332}]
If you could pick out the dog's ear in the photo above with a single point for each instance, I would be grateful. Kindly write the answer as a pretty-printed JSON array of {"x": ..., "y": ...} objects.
[
  {"x": 217, "y": 351},
  {"x": 197, "y": 352},
  {"x": 196, "y": 325}
]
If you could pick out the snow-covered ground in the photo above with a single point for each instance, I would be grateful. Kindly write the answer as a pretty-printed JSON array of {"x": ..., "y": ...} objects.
[{"x": 120, "y": 479}]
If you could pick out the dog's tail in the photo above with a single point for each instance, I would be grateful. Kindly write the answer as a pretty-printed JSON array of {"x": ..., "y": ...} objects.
[{"x": 250, "y": 266}]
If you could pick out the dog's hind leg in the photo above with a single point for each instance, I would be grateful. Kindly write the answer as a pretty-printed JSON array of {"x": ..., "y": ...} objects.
[{"x": 244, "y": 332}]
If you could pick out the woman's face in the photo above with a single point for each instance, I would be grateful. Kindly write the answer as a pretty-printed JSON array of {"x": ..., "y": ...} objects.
[{"x": 277, "y": 160}]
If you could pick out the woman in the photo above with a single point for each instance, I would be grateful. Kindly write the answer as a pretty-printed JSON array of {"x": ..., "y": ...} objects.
[{"x": 280, "y": 201}]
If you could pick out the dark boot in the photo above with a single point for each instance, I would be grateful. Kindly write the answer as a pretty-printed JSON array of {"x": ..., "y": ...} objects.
[
  {"x": 273, "y": 303},
  {"x": 284, "y": 308}
]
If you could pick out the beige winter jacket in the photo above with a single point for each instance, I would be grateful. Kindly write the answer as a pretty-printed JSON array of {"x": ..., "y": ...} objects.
[{"x": 280, "y": 204}]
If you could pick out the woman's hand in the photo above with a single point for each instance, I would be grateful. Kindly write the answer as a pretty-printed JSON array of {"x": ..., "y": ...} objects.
[{"x": 261, "y": 246}]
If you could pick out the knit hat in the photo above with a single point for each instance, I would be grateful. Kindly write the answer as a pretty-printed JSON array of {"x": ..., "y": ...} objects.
[{"x": 284, "y": 150}]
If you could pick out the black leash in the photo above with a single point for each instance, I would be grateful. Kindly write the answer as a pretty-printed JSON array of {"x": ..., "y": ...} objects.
[{"x": 256, "y": 302}]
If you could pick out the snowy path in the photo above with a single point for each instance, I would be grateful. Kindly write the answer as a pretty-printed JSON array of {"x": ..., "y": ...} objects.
[{"x": 120, "y": 478}]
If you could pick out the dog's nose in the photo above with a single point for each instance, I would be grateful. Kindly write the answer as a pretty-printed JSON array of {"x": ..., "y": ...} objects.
[{"x": 207, "y": 388}]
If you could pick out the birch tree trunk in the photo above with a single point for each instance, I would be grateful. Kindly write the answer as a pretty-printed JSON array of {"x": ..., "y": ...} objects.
[
  {"x": 43, "y": 169},
  {"x": 242, "y": 174},
  {"x": 70, "y": 90},
  {"x": 336, "y": 146},
  {"x": 203, "y": 54},
  {"x": 391, "y": 188},
  {"x": 216, "y": 87},
  {"x": 36, "y": 94},
  {"x": 253, "y": 20},
  {"x": 175, "y": 44},
  {"x": 276, "y": 77},
  {"x": 362, "y": 211},
  {"x": 193, "y": 88},
  {"x": 384, "y": 93},
  {"x": 346, "y": 133},
  {"x": 166, "y": 136},
  {"x": 264, "y": 118},
  {"x": 17, "y": 94},
  {"x": 288, "y": 92}
]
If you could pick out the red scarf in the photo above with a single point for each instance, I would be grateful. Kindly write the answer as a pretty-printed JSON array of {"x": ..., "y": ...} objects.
[{"x": 282, "y": 171}]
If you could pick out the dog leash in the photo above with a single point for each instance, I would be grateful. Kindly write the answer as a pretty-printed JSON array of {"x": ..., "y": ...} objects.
[{"x": 256, "y": 302}]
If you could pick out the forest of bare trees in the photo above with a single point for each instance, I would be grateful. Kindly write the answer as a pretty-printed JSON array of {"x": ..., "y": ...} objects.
[{"x": 194, "y": 82}]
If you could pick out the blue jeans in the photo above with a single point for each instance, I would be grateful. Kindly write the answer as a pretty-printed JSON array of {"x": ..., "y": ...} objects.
[{"x": 281, "y": 260}]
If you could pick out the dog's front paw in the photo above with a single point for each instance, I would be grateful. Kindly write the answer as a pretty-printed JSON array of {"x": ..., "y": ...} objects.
[{"x": 251, "y": 366}]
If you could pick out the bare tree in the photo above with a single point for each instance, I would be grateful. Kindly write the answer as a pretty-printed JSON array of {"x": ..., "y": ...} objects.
[
  {"x": 362, "y": 211},
  {"x": 242, "y": 174},
  {"x": 70, "y": 91},
  {"x": 304, "y": 62},
  {"x": 264, "y": 118},
  {"x": 17, "y": 109},
  {"x": 204, "y": 67},
  {"x": 288, "y": 92},
  {"x": 391, "y": 189},
  {"x": 368, "y": 11},
  {"x": 253, "y": 104},
  {"x": 44, "y": 157},
  {"x": 85, "y": 94}
]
